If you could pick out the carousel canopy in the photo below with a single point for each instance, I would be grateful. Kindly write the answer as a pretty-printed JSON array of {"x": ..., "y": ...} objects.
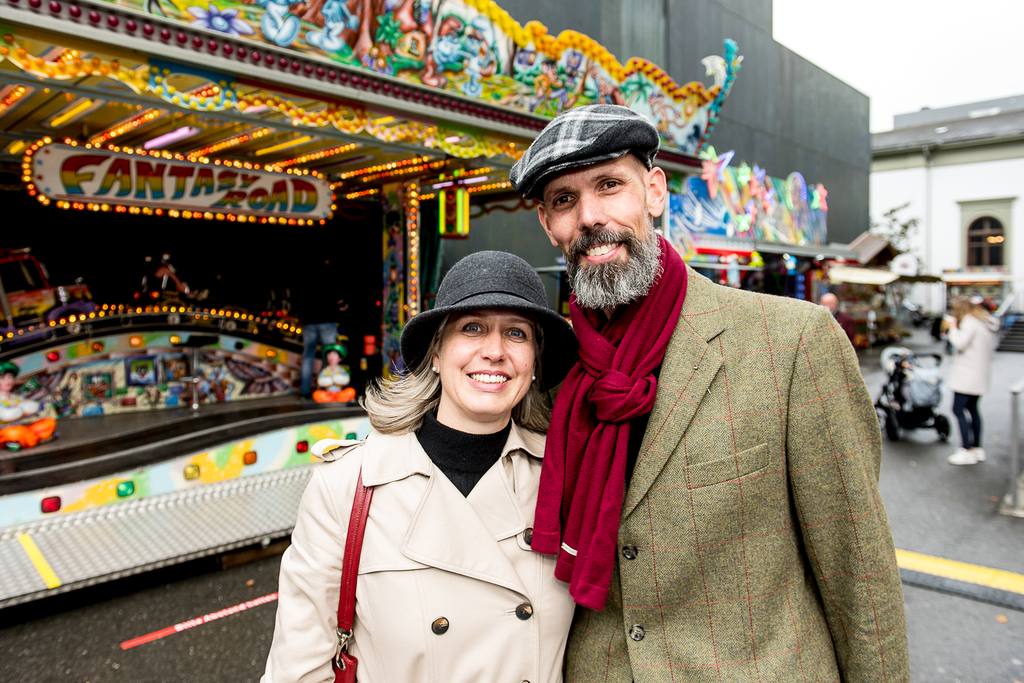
[{"x": 358, "y": 91}]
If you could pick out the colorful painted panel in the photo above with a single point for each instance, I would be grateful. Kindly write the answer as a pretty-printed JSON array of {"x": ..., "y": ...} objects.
[
  {"x": 745, "y": 203},
  {"x": 268, "y": 452},
  {"x": 122, "y": 373},
  {"x": 393, "y": 295},
  {"x": 468, "y": 47}
]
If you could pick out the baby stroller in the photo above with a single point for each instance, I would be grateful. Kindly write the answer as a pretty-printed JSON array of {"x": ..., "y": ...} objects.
[{"x": 911, "y": 393}]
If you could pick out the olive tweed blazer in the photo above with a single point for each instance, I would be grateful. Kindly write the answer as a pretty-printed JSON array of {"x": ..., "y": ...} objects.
[{"x": 763, "y": 552}]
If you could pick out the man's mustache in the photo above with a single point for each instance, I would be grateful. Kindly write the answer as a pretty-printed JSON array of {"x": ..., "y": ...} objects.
[{"x": 591, "y": 239}]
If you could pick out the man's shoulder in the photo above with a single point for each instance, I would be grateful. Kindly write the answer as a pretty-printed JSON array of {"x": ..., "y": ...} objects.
[{"x": 741, "y": 307}]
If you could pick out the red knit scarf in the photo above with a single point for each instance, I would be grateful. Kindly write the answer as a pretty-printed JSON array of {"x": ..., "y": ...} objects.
[{"x": 579, "y": 503}]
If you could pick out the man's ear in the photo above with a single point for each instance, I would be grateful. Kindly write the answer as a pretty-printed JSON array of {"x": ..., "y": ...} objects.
[
  {"x": 657, "y": 191},
  {"x": 543, "y": 218}
]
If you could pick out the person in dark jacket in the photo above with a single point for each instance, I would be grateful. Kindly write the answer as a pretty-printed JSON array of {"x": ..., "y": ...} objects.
[{"x": 831, "y": 302}]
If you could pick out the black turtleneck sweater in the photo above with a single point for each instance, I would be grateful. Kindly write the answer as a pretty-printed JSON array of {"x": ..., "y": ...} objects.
[{"x": 461, "y": 456}]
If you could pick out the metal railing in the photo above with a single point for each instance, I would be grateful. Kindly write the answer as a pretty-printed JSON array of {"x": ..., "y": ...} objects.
[
  {"x": 1014, "y": 502},
  {"x": 1013, "y": 303}
]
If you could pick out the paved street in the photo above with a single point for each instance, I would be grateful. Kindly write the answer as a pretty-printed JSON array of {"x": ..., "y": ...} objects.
[
  {"x": 934, "y": 508},
  {"x": 946, "y": 511}
]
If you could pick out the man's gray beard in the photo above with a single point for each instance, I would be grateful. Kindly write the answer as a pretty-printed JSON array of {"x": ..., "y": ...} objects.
[{"x": 609, "y": 285}]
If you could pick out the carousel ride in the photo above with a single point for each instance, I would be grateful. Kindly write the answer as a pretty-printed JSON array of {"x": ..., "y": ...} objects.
[{"x": 177, "y": 412}]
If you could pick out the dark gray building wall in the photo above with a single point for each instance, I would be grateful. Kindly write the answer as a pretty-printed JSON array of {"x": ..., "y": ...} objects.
[{"x": 784, "y": 113}]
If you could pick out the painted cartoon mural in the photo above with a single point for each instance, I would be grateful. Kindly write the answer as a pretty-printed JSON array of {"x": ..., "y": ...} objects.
[
  {"x": 745, "y": 203},
  {"x": 472, "y": 48},
  {"x": 119, "y": 373}
]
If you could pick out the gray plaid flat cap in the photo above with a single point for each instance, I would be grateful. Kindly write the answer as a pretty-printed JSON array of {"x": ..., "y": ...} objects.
[{"x": 581, "y": 137}]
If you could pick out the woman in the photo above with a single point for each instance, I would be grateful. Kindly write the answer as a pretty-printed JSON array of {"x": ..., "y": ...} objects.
[
  {"x": 448, "y": 588},
  {"x": 972, "y": 333}
]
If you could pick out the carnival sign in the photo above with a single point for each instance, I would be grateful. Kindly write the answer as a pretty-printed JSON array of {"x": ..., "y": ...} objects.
[{"x": 79, "y": 177}]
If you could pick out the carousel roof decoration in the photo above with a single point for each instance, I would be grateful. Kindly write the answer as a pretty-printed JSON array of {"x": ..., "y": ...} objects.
[
  {"x": 345, "y": 85},
  {"x": 472, "y": 49}
]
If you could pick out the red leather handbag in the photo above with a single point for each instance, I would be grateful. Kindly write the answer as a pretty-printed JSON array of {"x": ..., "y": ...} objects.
[{"x": 344, "y": 663}]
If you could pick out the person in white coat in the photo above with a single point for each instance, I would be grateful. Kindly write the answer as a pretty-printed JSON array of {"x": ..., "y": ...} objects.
[
  {"x": 972, "y": 333},
  {"x": 448, "y": 588}
]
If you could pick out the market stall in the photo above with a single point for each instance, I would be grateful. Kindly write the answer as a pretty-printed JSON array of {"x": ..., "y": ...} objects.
[{"x": 864, "y": 294}]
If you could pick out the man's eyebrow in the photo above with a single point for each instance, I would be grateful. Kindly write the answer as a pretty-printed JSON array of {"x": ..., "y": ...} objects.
[{"x": 553, "y": 188}]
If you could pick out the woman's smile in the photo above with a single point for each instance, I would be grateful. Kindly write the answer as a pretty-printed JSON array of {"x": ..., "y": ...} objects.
[{"x": 492, "y": 381}]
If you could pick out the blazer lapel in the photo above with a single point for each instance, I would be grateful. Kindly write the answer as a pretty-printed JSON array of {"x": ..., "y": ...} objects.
[{"x": 690, "y": 366}]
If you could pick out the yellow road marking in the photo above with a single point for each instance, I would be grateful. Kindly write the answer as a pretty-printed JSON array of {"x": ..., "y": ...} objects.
[
  {"x": 41, "y": 565},
  {"x": 960, "y": 571}
]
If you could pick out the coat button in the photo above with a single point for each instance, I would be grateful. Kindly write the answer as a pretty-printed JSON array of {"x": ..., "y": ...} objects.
[
  {"x": 524, "y": 611},
  {"x": 637, "y": 632},
  {"x": 528, "y": 535},
  {"x": 629, "y": 552},
  {"x": 440, "y": 626}
]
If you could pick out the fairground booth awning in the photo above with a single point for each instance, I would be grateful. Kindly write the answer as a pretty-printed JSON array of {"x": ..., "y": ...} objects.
[
  {"x": 733, "y": 213},
  {"x": 271, "y": 112},
  {"x": 359, "y": 92}
]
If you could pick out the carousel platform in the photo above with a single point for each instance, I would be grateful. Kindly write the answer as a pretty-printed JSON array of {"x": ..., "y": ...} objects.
[
  {"x": 90, "y": 447},
  {"x": 98, "y": 536}
]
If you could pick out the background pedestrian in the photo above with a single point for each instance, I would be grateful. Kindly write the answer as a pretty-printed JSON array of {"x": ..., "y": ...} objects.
[{"x": 972, "y": 334}]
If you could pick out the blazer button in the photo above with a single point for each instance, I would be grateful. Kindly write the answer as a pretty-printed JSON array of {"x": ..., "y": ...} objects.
[
  {"x": 524, "y": 611},
  {"x": 528, "y": 535},
  {"x": 637, "y": 632},
  {"x": 440, "y": 626},
  {"x": 629, "y": 552}
]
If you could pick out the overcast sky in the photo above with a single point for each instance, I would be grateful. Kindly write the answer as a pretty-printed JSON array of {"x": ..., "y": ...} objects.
[{"x": 909, "y": 54}]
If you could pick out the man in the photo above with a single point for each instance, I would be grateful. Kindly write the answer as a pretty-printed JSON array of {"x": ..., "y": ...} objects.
[
  {"x": 831, "y": 302},
  {"x": 710, "y": 476}
]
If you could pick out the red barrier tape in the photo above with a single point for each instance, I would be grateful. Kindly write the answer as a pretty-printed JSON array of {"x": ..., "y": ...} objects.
[{"x": 199, "y": 621}]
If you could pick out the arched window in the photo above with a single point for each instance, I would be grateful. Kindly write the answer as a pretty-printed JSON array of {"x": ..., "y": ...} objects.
[{"x": 985, "y": 242}]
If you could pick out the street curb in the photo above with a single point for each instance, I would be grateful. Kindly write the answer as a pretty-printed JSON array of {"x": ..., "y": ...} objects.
[{"x": 963, "y": 589}]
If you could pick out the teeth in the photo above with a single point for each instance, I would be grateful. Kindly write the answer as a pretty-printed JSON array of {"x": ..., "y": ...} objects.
[
  {"x": 601, "y": 249},
  {"x": 489, "y": 379}
]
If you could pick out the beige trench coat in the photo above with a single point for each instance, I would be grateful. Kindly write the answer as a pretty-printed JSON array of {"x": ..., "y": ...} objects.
[{"x": 429, "y": 553}]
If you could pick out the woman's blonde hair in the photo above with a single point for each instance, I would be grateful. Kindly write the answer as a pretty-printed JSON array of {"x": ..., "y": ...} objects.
[
  {"x": 963, "y": 307},
  {"x": 397, "y": 406}
]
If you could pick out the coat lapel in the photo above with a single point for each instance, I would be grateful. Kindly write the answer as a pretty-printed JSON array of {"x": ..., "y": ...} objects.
[
  {"x": 506, "y": 496},
  {"x": 690, "y": 366},
  {"x": 459, "y": 535}
]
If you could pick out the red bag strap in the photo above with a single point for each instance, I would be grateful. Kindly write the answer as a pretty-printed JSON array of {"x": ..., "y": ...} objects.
[{"x": 350, "y": 565}]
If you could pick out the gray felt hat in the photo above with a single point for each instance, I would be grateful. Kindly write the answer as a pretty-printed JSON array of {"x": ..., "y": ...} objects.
[
  {"x": 495, "y": 279},
  {"x": 581, "y": 137}
]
